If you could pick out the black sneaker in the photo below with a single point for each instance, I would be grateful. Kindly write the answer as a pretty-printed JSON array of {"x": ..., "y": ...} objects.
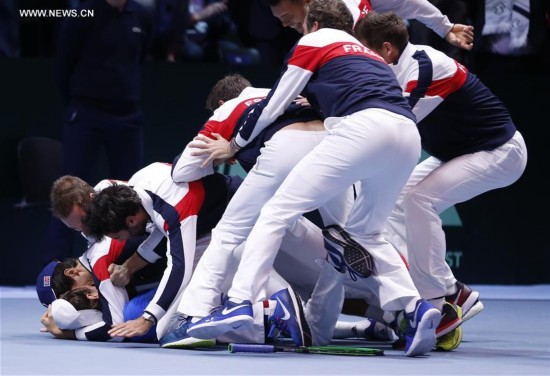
[{"x": 346, "y": 254}]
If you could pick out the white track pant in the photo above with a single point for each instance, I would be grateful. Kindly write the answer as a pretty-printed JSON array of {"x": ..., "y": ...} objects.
[
  {"x": 316, "y": 279},
  {"x": 217, "y": 265},
  {"x": 373, "y": 146},
  {"x": 415, "y": 227},
  {"x": 253, "y": 334},
  {"x": 170, "y": 318}
]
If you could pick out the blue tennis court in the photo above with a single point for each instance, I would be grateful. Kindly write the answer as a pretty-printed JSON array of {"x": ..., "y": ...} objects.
[{"x": 510, "y": 337}]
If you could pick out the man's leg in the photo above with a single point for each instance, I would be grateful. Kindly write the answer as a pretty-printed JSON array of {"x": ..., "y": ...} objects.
[{"x": 204, "y": 290}]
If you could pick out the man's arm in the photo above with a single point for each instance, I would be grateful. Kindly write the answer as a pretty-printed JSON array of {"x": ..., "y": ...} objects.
[
  {"x": 431, "y": 78},
  {"x": 50, "y": 326},
  {"x": 146, "y": 254},
  {"x": 121, "y": 275},
  {"x": 291, "y": 82},
  {"x": 189, "y": 167},
  {"x": 132, "y": 328},
  {"x": 422, "y": 10}
]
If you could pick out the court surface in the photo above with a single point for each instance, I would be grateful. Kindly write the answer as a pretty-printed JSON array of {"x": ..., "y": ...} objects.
[{"x": 510, "y": 337}]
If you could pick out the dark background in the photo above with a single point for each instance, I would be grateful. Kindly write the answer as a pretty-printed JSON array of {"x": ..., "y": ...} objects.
[{"x": 503, "y": 239}]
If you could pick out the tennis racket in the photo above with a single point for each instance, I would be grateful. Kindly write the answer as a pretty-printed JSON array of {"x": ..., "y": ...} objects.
[{"x": 328, "y": 350}]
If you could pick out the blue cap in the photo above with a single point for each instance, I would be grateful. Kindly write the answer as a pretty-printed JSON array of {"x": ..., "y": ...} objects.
[{"x": 44, "y": 289}]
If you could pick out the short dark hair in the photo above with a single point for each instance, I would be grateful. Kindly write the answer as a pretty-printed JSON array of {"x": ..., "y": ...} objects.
[
  {"x": 376, "y": 28},
  {"x": 225, "y": 89},
  {"x": 79, "y": 299},
  {"x": 332, "y": 14},
  {"x": 109, "y": 209},
  {"x": 66, "y": 192},
  {"x": 60, "y": 282}
]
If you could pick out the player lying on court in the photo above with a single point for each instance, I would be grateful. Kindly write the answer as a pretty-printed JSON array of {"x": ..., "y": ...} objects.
[
  {"x": 88, "y": 278},
  {"x": 69, "y": 198}
]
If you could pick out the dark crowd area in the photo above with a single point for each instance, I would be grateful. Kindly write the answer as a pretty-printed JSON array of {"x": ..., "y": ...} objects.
[
  {"x": 244, "y": 32},
  {"x": 231, "y": 31}
]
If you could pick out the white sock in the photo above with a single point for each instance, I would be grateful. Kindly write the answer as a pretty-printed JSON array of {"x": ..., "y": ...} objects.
[
  {"x": 350, "y": 329},
  {"x": 269, "y": 307},
  {"x": 411, "y": 306},
  {"x": 452, "y": 290},
  {"x": 438, "y": 303}
]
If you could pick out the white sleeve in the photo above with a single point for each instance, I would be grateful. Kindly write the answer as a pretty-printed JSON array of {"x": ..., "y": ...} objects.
[
  {"x": 108, "y": 183},
  {"x": 80, "y": 333},
  {"x": 290, "y": 84},
  {"x": 188, "y": 167},
  {"x": 442, "y": 73},
  {"x": 424, "y": 106},
  {"x": 179, "y": 266},
  {"x": 421, "y": 10},
  {"x": 147, "y": 249},
  {"x": 66, "y": 317},
  {"x": 116, "y": 297}
]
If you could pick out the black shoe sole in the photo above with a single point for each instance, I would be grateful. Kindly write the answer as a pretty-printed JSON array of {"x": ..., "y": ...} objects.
[{"x": 356, "y": 257}]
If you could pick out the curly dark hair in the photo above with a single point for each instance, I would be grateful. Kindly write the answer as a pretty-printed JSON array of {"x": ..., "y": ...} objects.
[
  {"x": 376, "y": 28},
  {"x": 225, "y": 89},
  {"x": 333, "y": 14},
  {"x": 109, "y": 209}
]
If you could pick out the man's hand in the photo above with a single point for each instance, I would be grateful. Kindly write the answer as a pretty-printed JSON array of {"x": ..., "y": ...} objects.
[
  {"x": 461, "y": 36},
  {"x": 120, "y": 275},
  {"x": 132, "y": 328},
  {"x": 50, "y": 326},
  {"x": 49, "y": 323},
  {"x": 302, "y": 101},
  {"x": 217, "y": 149}
]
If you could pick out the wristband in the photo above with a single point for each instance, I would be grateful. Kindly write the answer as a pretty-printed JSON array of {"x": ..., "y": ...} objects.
[
  {"x": 233, "y": 145},
  {"x": 149, "y": 317}
]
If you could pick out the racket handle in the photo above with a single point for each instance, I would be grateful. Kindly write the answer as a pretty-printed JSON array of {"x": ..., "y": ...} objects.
[{"x": 242, "y": 347}]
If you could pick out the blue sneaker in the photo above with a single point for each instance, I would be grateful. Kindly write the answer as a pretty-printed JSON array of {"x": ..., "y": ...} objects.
[
  {"x": 178, "y": 338},
  {"x": 420, "y": 330},
  {"x": 227, "y": 317},
  {"x": 289, "y": 318},
  {"x": 346, "y": 254}
]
